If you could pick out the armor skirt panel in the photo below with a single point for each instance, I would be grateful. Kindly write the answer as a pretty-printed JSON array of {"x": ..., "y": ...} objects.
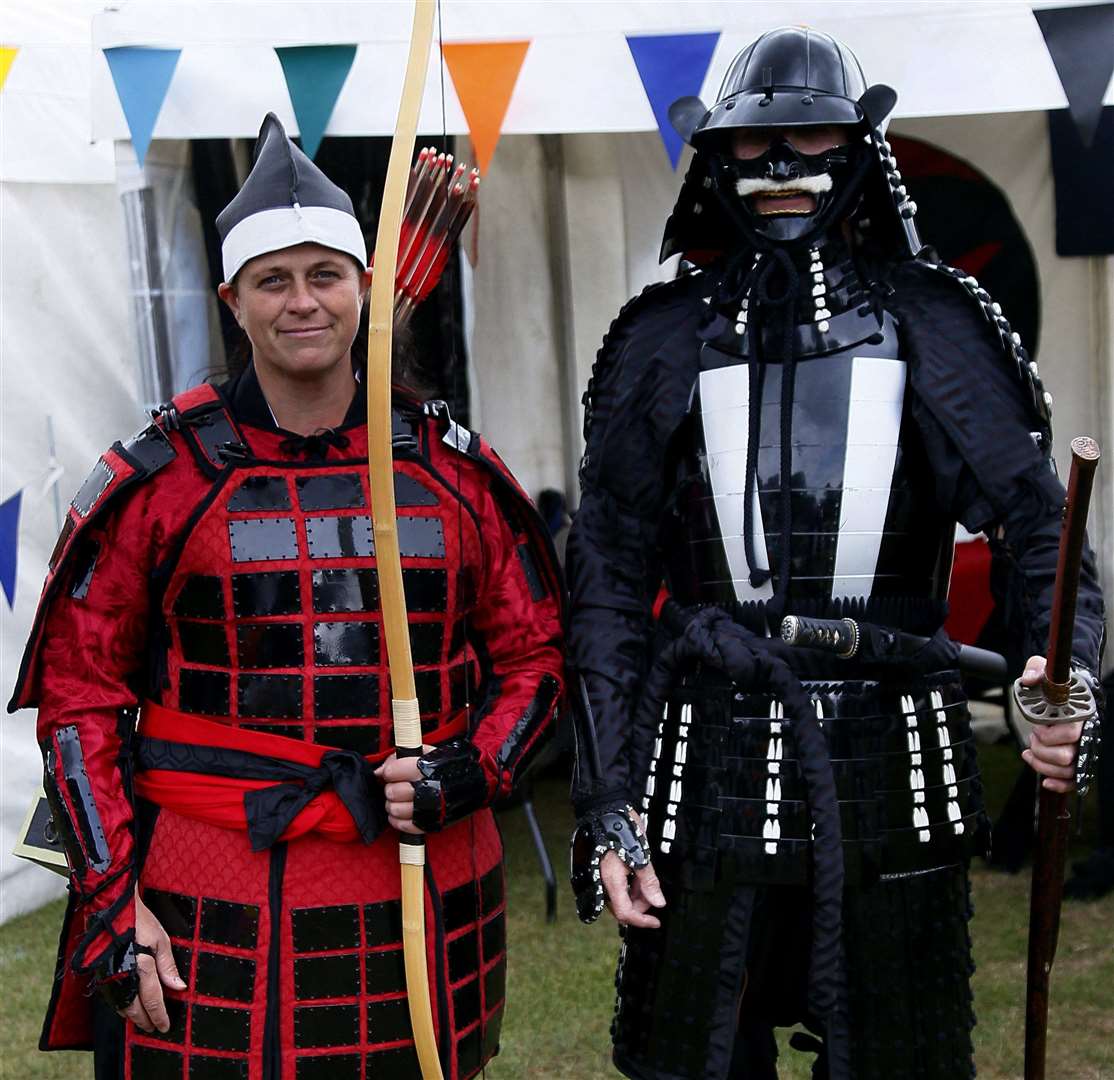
[
  {"x": 293, "y": 956},
  {"x": 729, "y": 826}
]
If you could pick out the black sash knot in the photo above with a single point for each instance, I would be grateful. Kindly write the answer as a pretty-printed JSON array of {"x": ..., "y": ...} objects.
[{"x": 270, "y": 810}]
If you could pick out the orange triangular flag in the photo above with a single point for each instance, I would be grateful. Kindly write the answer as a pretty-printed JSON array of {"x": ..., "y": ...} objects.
[
  {"x": 7, "y": 55},
  {"x": 484, "y": 74}
]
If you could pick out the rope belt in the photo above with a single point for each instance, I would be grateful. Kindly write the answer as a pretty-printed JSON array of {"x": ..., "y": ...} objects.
[{"x": 276, "y": 788}]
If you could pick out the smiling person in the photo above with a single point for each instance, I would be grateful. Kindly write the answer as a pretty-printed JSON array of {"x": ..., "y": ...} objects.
[
  {"x": 234, "y": 855},
  {"x": 793, "y": 427}
]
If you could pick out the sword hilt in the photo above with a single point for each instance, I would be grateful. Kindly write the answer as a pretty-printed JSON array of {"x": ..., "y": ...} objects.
[
  {"x": 1085, "y": 456},
  {"x": 847, "y": 639},
  {"x": 839, "y": 636}
]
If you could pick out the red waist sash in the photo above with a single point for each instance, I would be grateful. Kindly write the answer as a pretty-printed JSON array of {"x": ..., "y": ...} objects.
[{"x": 223, "y": 800}]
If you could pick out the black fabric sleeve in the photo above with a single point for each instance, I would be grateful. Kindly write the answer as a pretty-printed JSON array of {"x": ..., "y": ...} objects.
[
  {"x": 611, "y": 571},
  {"x": 638, "y": 394},
  {"x": 991, "y": 454}
]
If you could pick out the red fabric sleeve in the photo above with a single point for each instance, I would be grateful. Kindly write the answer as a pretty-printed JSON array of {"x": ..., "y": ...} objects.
[
  {"x": 518, "y": 616},
  {"x": 93, "y": 650}
]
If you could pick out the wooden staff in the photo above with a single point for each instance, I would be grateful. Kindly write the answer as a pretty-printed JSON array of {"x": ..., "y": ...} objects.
[
  {"x": 1061, "y": 697},
  {"x": 404, "y": 704}
]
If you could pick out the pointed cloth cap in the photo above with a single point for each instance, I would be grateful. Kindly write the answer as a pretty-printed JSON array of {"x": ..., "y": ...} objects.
[{"x": 285, "y": 200}]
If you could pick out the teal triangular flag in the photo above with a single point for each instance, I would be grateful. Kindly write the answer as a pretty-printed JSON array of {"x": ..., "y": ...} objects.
[
  {"x": 671, "y": 66},
  {"x": 315, "y": 76},
  {"x": 142, "y": 77},
  {"x": 9, "y": 544}
]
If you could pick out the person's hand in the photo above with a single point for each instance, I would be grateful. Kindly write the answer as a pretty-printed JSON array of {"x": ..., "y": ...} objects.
[
  {"x": 156, "y": 969},
  {"x": 630, "y": 905},
  {"x": 397, "y": 776},
  {"x": 1052, "y": 747}
]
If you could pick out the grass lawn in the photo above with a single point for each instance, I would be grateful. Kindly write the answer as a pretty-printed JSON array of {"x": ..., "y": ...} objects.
[{"x": 560, "y": 982}]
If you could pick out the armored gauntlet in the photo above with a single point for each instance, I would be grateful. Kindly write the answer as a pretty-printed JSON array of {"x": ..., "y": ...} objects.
[
  {"x": 1090, "y": 740},
  {"x": 615, "y": 828},
  {"x": 453, "y": 785}
]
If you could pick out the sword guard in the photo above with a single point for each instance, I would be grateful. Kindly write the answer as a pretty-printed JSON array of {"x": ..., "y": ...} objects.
[{"x": 1037, "y": 709}]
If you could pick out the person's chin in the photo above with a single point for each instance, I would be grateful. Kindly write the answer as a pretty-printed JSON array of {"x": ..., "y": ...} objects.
[{"x": 309, "y": 360}]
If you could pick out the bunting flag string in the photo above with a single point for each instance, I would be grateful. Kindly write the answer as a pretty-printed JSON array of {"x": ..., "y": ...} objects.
[
  {"x": 671, "y": 66},
  {"x": 142, "y": 77},
  {"x": 7, "y": 58},
  {"x": 315, "y": 76},
  {"x": 484, "y": 74},
  {"x": 9, "y": 544}
]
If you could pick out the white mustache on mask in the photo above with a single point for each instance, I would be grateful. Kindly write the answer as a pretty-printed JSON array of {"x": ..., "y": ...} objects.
[{"x": 812, "y": 185}]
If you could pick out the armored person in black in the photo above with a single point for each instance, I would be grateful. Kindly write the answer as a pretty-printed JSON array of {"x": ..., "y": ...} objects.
[{"x": 792, "y": 428}]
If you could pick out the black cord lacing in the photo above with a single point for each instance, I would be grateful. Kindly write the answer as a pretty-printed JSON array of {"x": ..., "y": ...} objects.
[
  {"x": 774, "y": 284},
  {"x": 314, "y": 446}
]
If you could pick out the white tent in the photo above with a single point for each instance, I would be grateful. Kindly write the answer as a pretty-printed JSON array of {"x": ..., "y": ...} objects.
[{"x": 571, "y": 219}]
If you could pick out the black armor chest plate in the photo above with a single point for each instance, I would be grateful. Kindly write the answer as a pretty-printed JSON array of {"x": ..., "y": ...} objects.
[{"x": 864, "y": 521}]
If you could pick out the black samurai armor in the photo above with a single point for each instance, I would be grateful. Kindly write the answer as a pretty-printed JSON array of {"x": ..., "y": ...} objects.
[{"x": 794, "y": 426}]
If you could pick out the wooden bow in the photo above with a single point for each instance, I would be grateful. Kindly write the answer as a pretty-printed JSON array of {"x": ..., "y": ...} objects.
[{"x": 404, "y": 704}]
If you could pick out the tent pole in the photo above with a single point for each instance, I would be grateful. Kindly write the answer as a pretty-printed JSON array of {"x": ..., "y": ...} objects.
[{"x": 560, "y": 273}]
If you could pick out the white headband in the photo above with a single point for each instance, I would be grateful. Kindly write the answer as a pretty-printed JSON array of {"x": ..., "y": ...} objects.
[{"x": 286, "y": 226}]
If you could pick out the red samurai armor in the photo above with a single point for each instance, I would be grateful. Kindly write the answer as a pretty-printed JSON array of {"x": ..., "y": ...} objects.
[{"x": 219, "y": 574}]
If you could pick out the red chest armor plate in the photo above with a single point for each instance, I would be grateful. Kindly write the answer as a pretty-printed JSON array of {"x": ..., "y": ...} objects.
[{"x": 272, "y": 607}]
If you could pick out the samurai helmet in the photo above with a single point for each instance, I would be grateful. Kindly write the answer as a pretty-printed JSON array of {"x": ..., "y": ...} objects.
[{"x": 785, "y": 193}]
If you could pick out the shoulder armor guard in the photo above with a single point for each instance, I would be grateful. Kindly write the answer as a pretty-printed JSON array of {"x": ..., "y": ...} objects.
[
  {"x": 197, "y": 417},
  {"x": 653, "y": 292},
  {"x": 122, "y": 466},
  {"x": 210, "y": 430},
  {"x": 1012, "y": 348}
]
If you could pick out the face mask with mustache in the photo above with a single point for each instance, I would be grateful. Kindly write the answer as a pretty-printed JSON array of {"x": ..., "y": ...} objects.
[{"x": 785, "y": 195}]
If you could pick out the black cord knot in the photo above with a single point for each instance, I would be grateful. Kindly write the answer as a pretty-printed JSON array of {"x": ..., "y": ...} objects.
[
  {"x": 315, "y": 446},
  {"x": 777, "y": 279}
]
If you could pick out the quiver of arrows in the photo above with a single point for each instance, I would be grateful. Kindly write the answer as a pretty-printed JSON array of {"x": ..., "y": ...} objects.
[{"x": 440, "y": 198}]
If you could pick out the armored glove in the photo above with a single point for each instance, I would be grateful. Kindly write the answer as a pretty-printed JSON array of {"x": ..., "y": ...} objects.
[
  {"x": 1087, "y": 755},
  {"x": 613, "y": 828},
  {"x": 453, "y": 785},
  {"x": 117, "y": 977}
]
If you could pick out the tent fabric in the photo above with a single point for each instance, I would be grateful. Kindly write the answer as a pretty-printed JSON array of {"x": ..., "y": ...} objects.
[
  {"x": 579, "y": 74},
  {"x": 46, "y": 118},
  {"x": 66, "y": 349}
]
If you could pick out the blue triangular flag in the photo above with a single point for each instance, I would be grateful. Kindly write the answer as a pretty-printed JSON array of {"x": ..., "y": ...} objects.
[
  {"x": 9, "y": 544},
  {"x": 142, "y": 77},
  {"x": 671, "y": 66},
  {"x": 315, "y": 76}
]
